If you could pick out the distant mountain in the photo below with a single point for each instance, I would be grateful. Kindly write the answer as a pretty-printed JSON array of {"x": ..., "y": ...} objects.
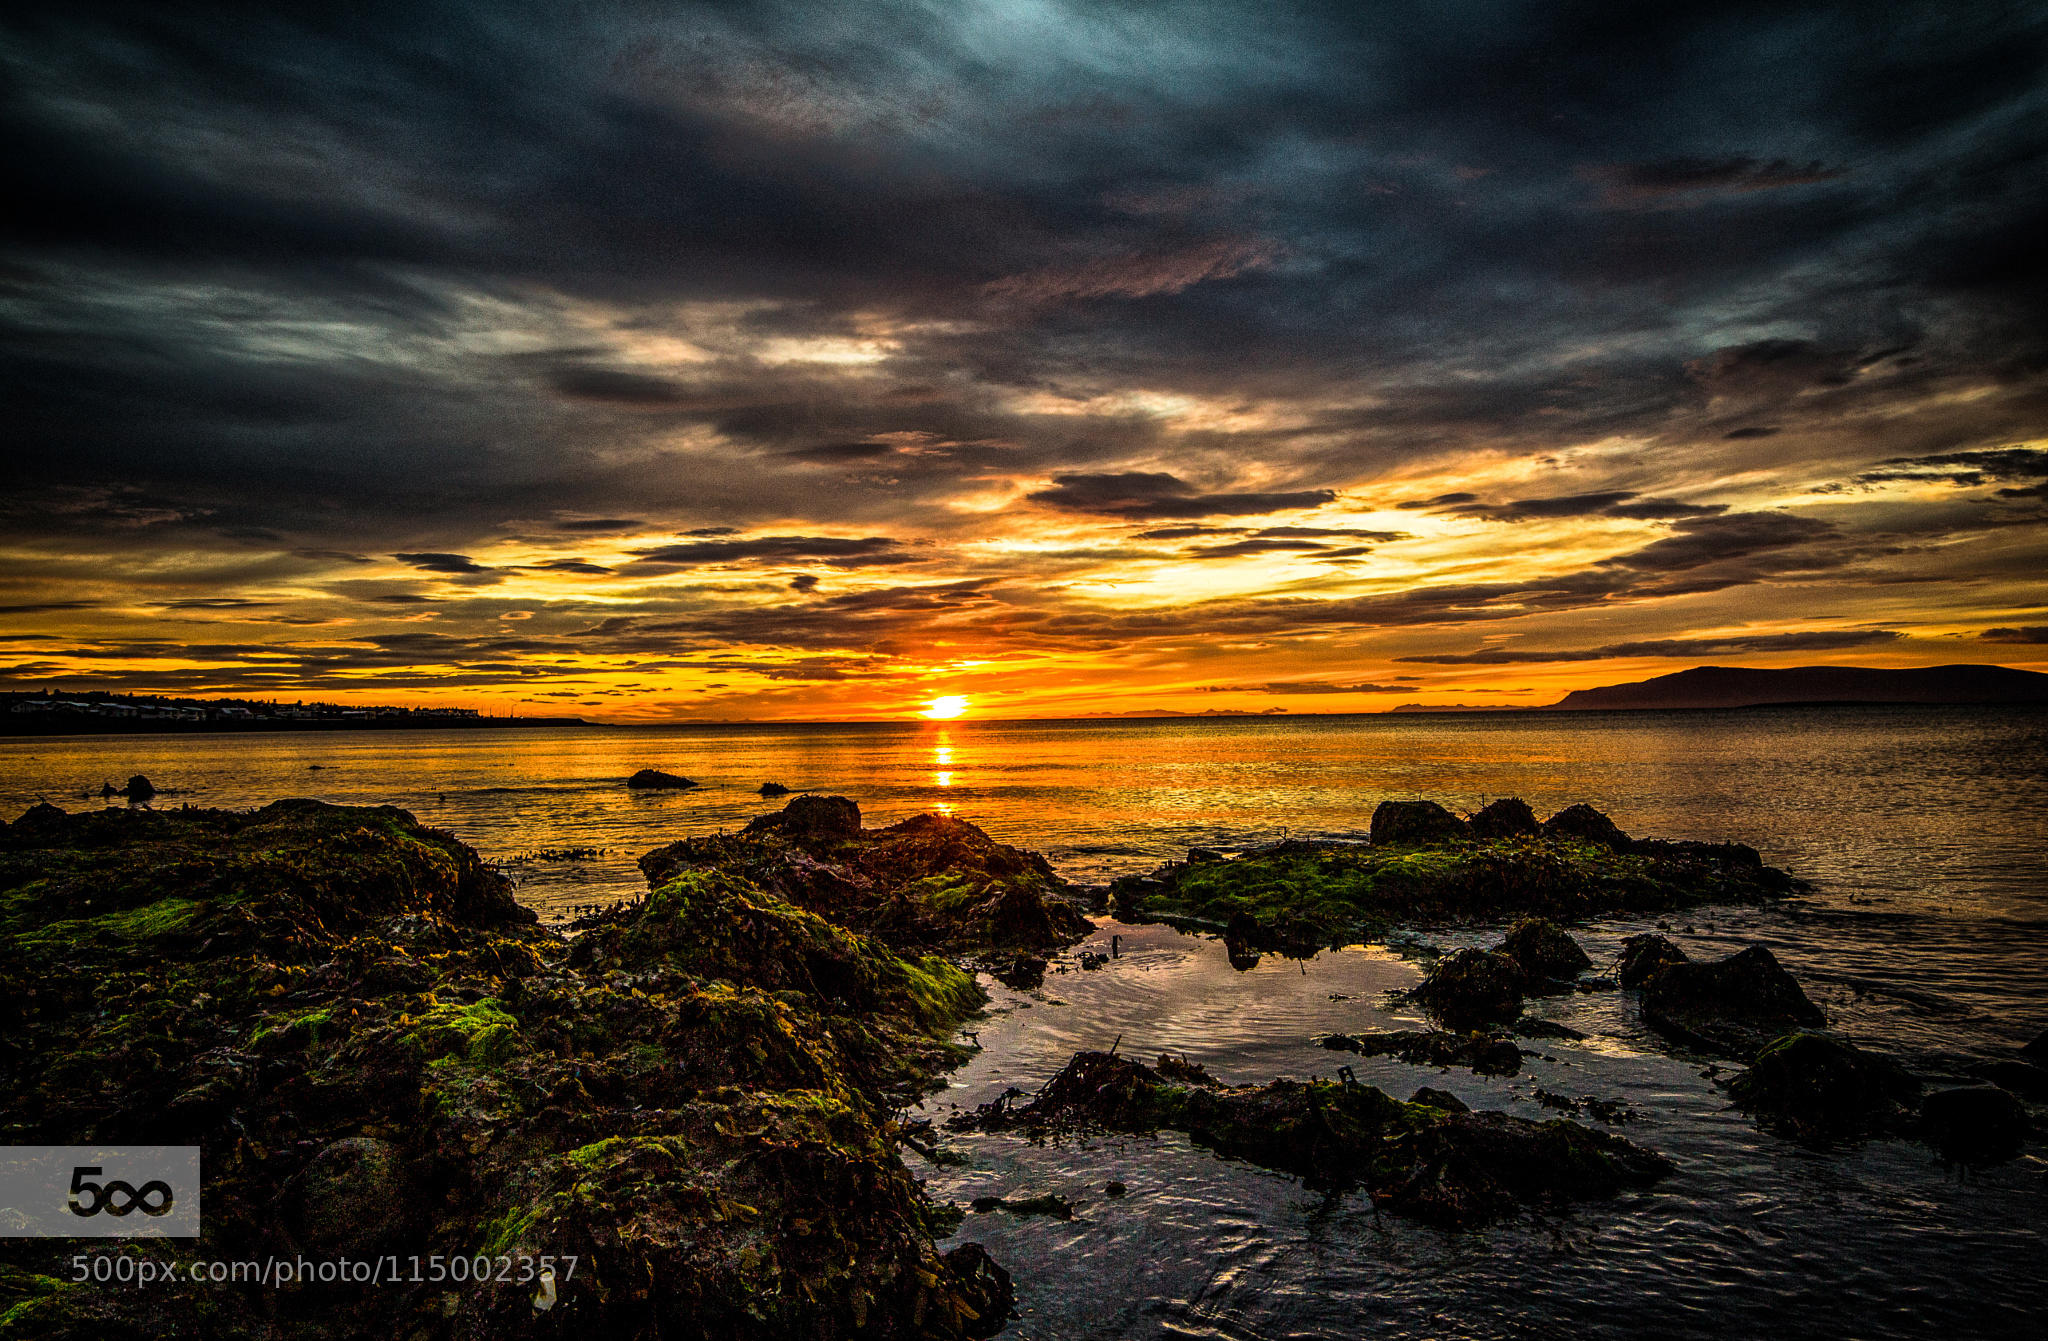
[{"x": 1745, "y": 687}]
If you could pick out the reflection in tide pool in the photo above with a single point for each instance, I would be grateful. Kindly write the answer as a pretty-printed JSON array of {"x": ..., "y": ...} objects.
[{"x": 1922, "y": 830}]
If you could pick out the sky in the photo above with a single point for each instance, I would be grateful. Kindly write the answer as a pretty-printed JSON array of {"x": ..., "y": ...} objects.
[{"x": 815, "y": 360}]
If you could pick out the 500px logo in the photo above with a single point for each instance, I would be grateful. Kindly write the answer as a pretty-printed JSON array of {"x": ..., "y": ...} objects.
[
  {"x": 102, "y": 1195},
  {"x": 94, "y": 1192}
]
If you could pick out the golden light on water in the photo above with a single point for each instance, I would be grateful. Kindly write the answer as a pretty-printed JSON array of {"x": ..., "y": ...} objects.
[{"x": 946, "y": 708}]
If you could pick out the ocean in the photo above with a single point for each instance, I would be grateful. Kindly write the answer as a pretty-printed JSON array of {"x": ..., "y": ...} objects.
[{"x": 1922, "y": 830}]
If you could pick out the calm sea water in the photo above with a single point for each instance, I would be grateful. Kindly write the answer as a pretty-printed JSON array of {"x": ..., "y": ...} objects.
[{"x": 1923, "y": 830}]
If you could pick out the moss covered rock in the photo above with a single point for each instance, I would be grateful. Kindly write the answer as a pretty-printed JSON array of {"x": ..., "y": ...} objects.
[
  {"x": 1470, "y": 989},
  {"x": 1303, "y": 895},
  {"x": 378, "y": 1050},
  {"x": 1815, "y": 1087}
]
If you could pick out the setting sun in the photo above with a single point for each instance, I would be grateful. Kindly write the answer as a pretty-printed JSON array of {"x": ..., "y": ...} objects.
[{"x": 952, "y": 705}]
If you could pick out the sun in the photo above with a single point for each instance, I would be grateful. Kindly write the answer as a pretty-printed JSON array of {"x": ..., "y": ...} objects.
[{"x": 952, "y": 705}]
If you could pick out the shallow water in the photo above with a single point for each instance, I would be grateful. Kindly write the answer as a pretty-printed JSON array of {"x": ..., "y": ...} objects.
[{"x": 1923, "y": 831}]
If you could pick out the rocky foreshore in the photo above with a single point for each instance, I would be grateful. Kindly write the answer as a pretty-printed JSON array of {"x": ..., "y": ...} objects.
[{"x": 382, "y": 1053}]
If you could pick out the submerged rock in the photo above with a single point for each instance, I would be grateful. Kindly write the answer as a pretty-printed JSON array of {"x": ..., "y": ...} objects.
[
  {"x": 1529, "y": 1026},
  {"x": 2025, "y": 1079},
  {"x": 1508, "y": 817},
  {"x": 1815, "y": 1087},
  {"x": 1469, "y": 989},
  {"x": 1974, "y": 1124},
  {"x": 1643, "y": 957},
  {"x": 1583, "y": 822},
  {"x": 1415, "y": 822},
  {"x": 1487, "y": 1054},
  {"x": 1731, "y": 1006},
  {"x": 655, "y": 779},
  {"x": 1456, "y": 1169},
  {"x": 1544, "y": 953}
]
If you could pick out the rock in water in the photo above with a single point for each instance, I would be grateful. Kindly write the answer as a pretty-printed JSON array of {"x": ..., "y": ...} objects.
[
  {"x": 2037, "y": 1051},
  {"x": 1815, "y": 1087},
  {"x": 1415, "y": 822},
  {"x": 1488, "y": 1054},
  {"x": 1504, "y": 818},
  {"x": 1444, "y": 1099},
  {"x": 986, "y": 1287},
  {"x": 1643, "y": 957},
  {"x": 1583, "y": 822},
  {"x": 1450, "y": 1168},
  {"x": 1974, "y": 1124},
  {"x": 1731, "y": 1006},
  {"x": 1544, "y": 952},
  {"x": 139, "y": 788},
  {"x": 774, "y": 789},
  {"x": 655, "y": 779},
  {"x": 813, "y": 817},
  {"x": 1470, "y": 989}
]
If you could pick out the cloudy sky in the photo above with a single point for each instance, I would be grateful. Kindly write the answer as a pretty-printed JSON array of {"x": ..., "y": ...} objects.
[{"x": 815, "y": 359}]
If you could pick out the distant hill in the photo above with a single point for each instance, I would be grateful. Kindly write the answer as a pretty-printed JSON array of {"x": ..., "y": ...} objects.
[{"x": 1745, "y": 687}]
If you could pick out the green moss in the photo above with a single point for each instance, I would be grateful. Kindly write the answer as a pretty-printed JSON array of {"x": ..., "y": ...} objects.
[{"x": 481, "y": 1033}]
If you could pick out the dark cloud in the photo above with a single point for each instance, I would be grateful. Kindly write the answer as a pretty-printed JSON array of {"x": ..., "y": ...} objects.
[
  {"x": 1669, "y": 181},
  {"x": 1156, "y": 494},
  {"x": 2028, "y": 634},
  {"x": 1815, "y": 641},
  {"x": 1612, "y": 503},
  {"x": 570, "y": 566},
  {"x": 865, "y": 552},
  {"x": 442, "y": 563}
]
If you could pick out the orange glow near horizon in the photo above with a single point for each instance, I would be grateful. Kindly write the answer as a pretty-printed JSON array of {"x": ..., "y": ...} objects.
[{"x": 946, "y": 708}]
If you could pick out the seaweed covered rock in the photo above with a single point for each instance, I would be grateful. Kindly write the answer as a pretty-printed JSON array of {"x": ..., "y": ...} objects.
[
  {"x": 1731, "y": 1006},
  {"x": 1508, "y": 817},
  {"x": 1583, "y": 822},
  {"x": 931, "y": 882},
  {"x": 377, "y": 1050},
  {"x": 1815, "y": 1087},
  {"x": 1974, "y": 1124},
  {"x": 1415, "y": 822},
  {"x": 1470, "y": 989},
  {"x": 1425, "y": 865},
  {"x": 1452, "y": 1168},
  {"x": 653, "y": 779},
  {"x": 1644, "y": 957},
  {"x": 1544, "y": 953},
  {"x": 1486, "y": 1053}
]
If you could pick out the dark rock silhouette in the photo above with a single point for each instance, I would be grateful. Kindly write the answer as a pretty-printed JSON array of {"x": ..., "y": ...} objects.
[
  {"x": 1731, "y": 1006},
  {"x": 776, "y": 789},
  {"x": 655, "y": 779},
  {"x": 1643, "y": 957},
  {"x": 1434, "y": 1098},
  {"x": 2037, "y": 1051},
  {"x": 1815, "y": 1087},
  {"x": 1470, "y": 989},
  {"x": 1545, "y": 954},
  {"x": 1415, "y": 822},
  {"x": 1487, "y": 1054},
  {"x": 1584, "y": 822},
  {"x": 1974, "y": 1124},
  {"x": 1504, "y": 818},
  {"x": 139, "y": 788},
  {"x": 814, "y": 817}
]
